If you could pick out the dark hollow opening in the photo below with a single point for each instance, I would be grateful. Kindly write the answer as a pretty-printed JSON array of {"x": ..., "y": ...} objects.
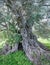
[{"x": 20, "y": 47}]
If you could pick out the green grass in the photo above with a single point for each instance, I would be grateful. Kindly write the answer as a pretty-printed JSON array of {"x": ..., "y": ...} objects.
[
  {"x": 45, "y": 42},
  {"x": 16, "y": 58}
]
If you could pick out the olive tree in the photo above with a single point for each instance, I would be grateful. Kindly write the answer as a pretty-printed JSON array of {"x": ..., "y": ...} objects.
[{"x": 27, "y": 14}]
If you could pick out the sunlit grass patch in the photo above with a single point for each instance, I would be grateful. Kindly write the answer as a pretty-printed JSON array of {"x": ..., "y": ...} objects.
[
  {"x": 2, "y": 43},
  {"x": 3, "y": 39},
  {"x": 46, "y": 42}
]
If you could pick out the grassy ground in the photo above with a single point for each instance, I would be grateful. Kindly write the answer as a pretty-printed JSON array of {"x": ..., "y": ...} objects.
[
  {"x": 17, "y": 58},
  {"x": 45, "y": 42}
]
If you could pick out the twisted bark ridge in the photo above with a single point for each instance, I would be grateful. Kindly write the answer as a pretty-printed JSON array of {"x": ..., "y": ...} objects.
[
  {"x": 29, "y": 42},
  {"x": 9, "y": 49}
]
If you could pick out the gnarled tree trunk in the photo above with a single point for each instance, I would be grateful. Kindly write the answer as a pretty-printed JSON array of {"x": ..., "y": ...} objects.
[{"x": 29, "y": 42}]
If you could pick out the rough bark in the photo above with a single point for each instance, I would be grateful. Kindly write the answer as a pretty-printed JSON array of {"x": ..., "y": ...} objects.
[
  {"x": 9, "y": 49},
  {"x": 32, "y": 49}
]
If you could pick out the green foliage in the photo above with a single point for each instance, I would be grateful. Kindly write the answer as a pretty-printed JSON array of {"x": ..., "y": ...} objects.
[
  {"x": 14, "y": 38},
  {"x": 17, "y": 58},
  {"x": 8, "y": 26}
]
